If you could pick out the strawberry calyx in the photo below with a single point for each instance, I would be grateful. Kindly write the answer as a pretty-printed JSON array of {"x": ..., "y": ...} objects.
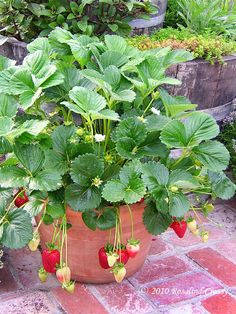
[
  {"x": 51, "y": 246},
  {"x": 133, "y": 242}
]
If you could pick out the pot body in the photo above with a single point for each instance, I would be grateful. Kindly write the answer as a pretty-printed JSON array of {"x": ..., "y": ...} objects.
[{"x": 84, "y": 244}]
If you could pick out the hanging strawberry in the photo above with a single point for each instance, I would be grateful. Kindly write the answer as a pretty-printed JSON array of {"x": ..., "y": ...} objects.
[
  {"x": 192, "y": 224},
  {"x": 112, "y": 258},
  {"x": 70, "y": 287},
  {"x": 123, "y": 255},
  {"x": 133, "y": 247},
  {"x": 43, "y": 275},
  {"x": 119, "y": 272},
  {"x": 103, "y": 257},
  {"x": 21, "y": 199},
  {"x": 179, "y": 228},
  {"x": 50, "y": 259},
  {"x": 34, "y": 243},
  {"x": 63, "y": 275}
]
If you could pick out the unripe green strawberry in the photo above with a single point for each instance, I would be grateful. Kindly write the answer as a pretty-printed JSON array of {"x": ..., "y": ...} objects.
[
  {"x": 205, "y": 236},
  {"x": 195, "y": 232},
  {"x": 209, "y": 207},
  {"x": 119, "y": 272},
  {"x": 192, "y": 225},
  {"x": 43, "y": 275},
  {"x": 34, "y": 243},
  {"x": 112, "y": 258},
  {"x": 80, "y": 131},
  {"x": 174, "y": 189},
  {"x": 70, "y": 287}
]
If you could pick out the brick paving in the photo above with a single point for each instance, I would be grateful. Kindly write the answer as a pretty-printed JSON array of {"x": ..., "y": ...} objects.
[{"x": 180, "y": 276}]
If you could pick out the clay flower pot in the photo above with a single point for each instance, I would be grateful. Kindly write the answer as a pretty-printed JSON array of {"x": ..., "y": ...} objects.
[{"x": 84, "y": 244}]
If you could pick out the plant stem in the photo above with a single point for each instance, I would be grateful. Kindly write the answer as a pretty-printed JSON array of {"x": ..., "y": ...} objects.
[{"x": 132, "y": 221}]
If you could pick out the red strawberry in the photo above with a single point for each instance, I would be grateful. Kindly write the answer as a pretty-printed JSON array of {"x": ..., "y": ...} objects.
[
  {"x": 102, "y": 255},
  {"x": 50, "y": 259},
  {"x": 179, "y": 228},
  {"x": 21, "y": 199},
  {"x": 141, "y": 200},
  {"x": 133, "y": 247},
  {"x": 63, "y": 275},
  {"x": 123, "y": 256}
]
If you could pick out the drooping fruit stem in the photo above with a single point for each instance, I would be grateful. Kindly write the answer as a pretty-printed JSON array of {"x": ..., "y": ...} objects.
[{"x": 132, "y": 221}]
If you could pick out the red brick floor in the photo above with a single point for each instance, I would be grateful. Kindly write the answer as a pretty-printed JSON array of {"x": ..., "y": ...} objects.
[{"x": 180, "y": 276}]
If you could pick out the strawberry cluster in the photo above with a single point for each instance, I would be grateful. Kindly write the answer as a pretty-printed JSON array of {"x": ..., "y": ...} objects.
[{"x": 116, "y": 258}]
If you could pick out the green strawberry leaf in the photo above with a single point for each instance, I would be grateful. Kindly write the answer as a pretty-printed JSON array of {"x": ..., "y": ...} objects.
[
  {"x": 178, "y": 205},
  {"x": 155, "y": 221},
  {"x": 222, "y": 186},
  {"x": 30, "y": 156},
  {"x": 104, "y": 220},
  {"x": 18, "y": 229},
  {"x": 213, "y": 155},
  {"x": 82, "y": 198}
]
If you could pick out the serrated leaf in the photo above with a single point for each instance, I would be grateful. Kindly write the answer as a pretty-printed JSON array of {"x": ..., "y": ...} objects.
[
  {"x": 85, "y": 101},
  {"x": 61, "y": 136},
  {"x": 222, "y": 186},
  {"x": 104, "y": 220},
  {"x": 115, "y": 58},
  {"x": 81, "y": 198},
  {"x": 178, "y": 205},
  {"x": 36, "y": 203},
  {"x": 182, "y": 179},
  {"x": 131, "y": 128},
  {"x": 8, "y": 106},
  {"x": 155, "y": 175},
  {"x": 30, "y": 156},
  {"x": 113, "y": 191},
  {"x": 88, "y": 165},
  {"x": 154, "y": 221},
  {"x": 46, "y": 180},
  {"x": 18, "y": 230},
  {"x": 134, "y": 190},
  {"x": 199, "y": 126},
  {"x": 6, "y": 125},
  {"x": 156, "y": 122},
  {"x": 12, "y": 176},
  {"x": 213, "y": 155}
]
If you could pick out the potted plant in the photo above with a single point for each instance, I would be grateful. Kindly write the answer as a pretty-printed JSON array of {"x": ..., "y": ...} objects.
[{"x": 97, "y": 161}]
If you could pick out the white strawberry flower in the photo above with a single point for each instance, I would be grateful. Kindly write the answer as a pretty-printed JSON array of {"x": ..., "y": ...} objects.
[
  {"x": 155, "y": 111},
  {"x": 99, "y": 137}
]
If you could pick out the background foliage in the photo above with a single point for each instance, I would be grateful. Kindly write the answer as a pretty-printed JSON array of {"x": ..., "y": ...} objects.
[{"x": 26, "y": 20}]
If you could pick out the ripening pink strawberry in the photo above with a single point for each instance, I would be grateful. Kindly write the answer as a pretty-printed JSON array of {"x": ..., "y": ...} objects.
[
  {"x": 133, "y": 247},
  {"x": 63, "y": 275}
]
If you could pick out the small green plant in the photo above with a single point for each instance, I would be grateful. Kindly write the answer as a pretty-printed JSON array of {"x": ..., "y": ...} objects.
[
  {"x": 172, "y": 18},
  {"x": 215, "y": 15},
  {"x": 208, "y": 46},
  {"x": 228, "y": 137},
  {"x": 26, "y": 19}
]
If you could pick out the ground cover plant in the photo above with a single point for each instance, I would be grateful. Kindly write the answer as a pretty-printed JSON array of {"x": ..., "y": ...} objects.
[
  {"x": 105, "y": 142},
  {"x": 208, "y": 46}
]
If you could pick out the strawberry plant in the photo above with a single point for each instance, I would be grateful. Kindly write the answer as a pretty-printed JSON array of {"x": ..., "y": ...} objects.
[{"x": 86, "y": 124}]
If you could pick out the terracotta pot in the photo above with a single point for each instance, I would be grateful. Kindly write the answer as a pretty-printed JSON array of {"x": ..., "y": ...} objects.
[{"x": 84, "y": 244}]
